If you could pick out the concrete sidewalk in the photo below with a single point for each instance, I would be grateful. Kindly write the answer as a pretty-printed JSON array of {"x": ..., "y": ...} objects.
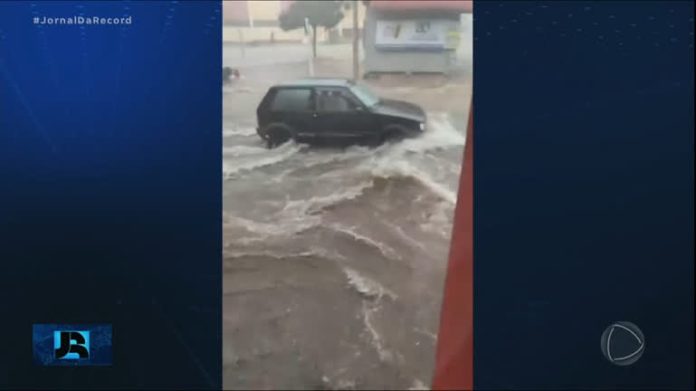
[{"x": 235, "y": 55}]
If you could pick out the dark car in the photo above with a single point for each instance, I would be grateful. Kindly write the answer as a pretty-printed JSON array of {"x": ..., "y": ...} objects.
[{"x": 334, "y": 112}]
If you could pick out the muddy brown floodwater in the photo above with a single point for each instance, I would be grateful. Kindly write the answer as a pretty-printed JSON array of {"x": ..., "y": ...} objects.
[{"x": 334, "y": 259}]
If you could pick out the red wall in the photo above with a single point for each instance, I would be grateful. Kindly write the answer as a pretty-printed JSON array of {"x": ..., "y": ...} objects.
[
  {"x": 236, "y": 11},
  {"x": 285, "y": 4},
  {"x": 454, "y": 362},
  {"x": 446, "y": 5}
]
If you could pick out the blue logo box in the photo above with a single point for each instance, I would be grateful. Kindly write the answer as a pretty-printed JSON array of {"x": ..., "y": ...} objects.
[{"x": 72, "y": 344}]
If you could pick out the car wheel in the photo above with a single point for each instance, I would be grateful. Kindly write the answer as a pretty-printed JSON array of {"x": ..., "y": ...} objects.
[
  {"x": 276, "y": 136},
  {"x": 393, "y": 133}
]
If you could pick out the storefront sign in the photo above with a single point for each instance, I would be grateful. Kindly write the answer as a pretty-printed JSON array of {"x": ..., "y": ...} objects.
[{"x": 417, "y": 34}]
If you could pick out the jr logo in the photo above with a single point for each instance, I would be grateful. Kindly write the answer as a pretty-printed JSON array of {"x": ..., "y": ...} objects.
[{"x": 71, "y": 345}]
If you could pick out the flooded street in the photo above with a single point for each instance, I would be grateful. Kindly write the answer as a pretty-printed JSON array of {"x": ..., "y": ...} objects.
[{"x": 334, "y": 259}]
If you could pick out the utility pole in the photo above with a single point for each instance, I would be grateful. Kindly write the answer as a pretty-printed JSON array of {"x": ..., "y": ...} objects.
[
  {"x": 356, "y": 61},
  {"x": 311, "y": 53},
  {"x": 241, "y": 41}
]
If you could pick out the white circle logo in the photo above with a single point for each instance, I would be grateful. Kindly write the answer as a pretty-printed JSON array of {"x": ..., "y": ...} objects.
[{"x": 623, "y": 343}]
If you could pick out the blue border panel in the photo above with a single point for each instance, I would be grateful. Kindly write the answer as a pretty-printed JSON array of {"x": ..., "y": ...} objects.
[
  {"x": 583, "y": 191},
  {"x": 110, "y": 190}
]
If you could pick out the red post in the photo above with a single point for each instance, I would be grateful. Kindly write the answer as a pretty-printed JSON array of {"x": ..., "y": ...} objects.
[{"x": 454, "y": 362}]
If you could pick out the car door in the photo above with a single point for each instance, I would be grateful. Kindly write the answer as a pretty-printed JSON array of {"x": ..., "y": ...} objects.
[
  {"x": 340, "y": 118},
  {"x": 294, "y": 106}
]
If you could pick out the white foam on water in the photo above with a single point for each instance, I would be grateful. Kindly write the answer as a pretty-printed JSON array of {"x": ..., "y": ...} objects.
[
  {"x": 295, "y": 216},
  {"x": 440, "y": 134},
  {"x": 320, "y": 157},
  {"x": 389, "y": 160},
  {"x": 403, "y": 168},
  {"x": 281, "y": 227},
  {"x": 239, "y": 131},
  {"x": 440, "y": 219},
  {"x": 242, "y": 150},
  {"x": 426, "y": 333},
  {"x": 367, "y": 287},
  {"x": 345, "y": 384},
  {"x": 418, "y": 385},
  {"x": 315, "y": 204},
  {"x": 373, "y": 292},
  {"x": 312, "y": 252},
  {"x": 381, "y": 247},
  {"x": 270, "y": 157},
  {"x": 348, "y": 181},
  {"x": 398, "y": 160},
  {"x": 375, "y": 338},
  {"x": 341, "y": 384},
  {"x": 406, "y": 238},
  {"x": 226, "y": 170}
]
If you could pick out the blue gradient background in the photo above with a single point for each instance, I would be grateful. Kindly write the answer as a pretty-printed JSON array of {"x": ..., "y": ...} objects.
[
  {"x": 583, "y": 191},
  {"x": 110, "y": 184}
]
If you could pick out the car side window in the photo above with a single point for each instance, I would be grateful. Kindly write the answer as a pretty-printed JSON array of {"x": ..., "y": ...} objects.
[
  {"x": 333, "y": 100},
  {"x": 292, "y": 99}
]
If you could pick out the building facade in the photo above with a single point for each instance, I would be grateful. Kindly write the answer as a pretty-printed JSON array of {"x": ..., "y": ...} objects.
[{"x": 413, "y": 36}]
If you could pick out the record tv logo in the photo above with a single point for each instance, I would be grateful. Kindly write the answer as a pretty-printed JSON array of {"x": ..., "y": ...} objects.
[
  {"x": 623, "y": 343},
  {"x": 71, "y": 344}
]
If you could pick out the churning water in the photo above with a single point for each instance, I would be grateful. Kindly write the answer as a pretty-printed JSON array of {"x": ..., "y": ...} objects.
[{"x": 334, "y": 259}]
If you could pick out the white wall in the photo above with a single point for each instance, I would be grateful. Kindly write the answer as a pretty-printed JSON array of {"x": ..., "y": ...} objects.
[
  {"x": 377, "y": 60},
  {"x": 231, "y": 34}
]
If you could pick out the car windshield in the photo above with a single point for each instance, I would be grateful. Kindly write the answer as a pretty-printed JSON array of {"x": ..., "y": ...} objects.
[{"x": 366, "y": 96}]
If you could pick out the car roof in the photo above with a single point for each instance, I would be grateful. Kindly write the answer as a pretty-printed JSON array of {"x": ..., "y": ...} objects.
[{"x": 317, "y": 82}]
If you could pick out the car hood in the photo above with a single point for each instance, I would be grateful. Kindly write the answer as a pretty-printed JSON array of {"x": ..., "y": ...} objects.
[{"x": 397, "y": 108}]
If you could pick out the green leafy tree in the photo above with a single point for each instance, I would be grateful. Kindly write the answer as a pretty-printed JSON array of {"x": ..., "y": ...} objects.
[{"x": 325, "y": 14}]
